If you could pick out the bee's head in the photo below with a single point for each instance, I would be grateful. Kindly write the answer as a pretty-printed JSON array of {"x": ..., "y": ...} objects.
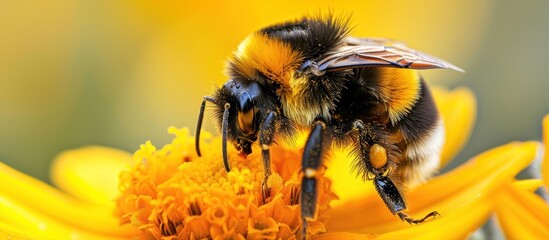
[
  {"x": 243, "y": 116},
  {"x": 245, "y": 120},
  {"x": 240, "y": 106},
  {"x": 238, "y": 114}
]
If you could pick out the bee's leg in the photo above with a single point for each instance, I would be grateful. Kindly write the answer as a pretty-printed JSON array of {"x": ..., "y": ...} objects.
[
  {"x": 266, "y": 138},
  {"x": 199, "y": 122},
  {"x": 377, "y": 162},
  {"x": 312, "y": 159},
  {"x": 394, "y": 201}
]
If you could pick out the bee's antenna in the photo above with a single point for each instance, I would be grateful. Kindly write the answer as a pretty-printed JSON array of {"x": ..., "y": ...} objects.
[
  {"x": 224, "y": 130},
  {"x": 199, "y": 123}
]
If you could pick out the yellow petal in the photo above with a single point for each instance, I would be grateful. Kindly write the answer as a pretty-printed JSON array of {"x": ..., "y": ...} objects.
[
  {"x": 528, "y": 184},
  {"x": 36, "y": 225},
  {"x": 40, "y": 198},
  {"x": 345, "y": 235},
  {"x": 458, "y": 223},
  {"x": 522, "y": 214},
  {"x": 472, "y": 181},
  {"x": 458, "y": 110},
  {"x": 545, "y": 163},
  {"x": 10, "y": 232},
  {"x": 90, "y": 173}
]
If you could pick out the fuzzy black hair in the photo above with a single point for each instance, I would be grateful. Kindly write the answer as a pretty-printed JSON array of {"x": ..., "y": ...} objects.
[{"x": 312, "y": 36}]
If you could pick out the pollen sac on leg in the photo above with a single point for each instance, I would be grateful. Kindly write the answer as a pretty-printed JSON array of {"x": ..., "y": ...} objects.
[{"x": 378, "y": 156}]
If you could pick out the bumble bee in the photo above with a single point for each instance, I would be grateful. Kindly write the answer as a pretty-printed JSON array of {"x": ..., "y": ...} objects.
[{"x": 363, "y": 92}]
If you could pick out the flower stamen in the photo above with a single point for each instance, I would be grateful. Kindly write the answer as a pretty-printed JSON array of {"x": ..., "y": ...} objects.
[{"x": 173, "y": 193}]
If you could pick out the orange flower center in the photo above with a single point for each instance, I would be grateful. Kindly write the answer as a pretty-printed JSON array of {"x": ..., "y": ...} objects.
[{"x": 172, "y": 192}]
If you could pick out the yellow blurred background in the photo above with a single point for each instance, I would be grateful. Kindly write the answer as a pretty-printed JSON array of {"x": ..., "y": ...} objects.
[{"x": 118, "y": 73}]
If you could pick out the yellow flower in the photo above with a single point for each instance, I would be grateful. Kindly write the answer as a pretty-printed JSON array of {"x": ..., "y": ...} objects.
[
  {"x": 171, "y": 193},
  {"x": 521, "y": 213}
]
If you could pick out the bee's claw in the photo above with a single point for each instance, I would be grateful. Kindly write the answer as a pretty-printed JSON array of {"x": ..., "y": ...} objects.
[{"x": 408, "y": 219}]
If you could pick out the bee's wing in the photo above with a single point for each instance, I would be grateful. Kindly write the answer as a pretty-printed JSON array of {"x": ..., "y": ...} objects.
[{"x": 378, "y": 52}]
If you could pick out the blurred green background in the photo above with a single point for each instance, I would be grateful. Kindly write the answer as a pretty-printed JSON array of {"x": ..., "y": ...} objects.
[{"x": 118, "y": 73}]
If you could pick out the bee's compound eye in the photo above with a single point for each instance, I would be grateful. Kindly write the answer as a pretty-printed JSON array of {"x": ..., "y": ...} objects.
[{"x": 246, "y": 113}]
